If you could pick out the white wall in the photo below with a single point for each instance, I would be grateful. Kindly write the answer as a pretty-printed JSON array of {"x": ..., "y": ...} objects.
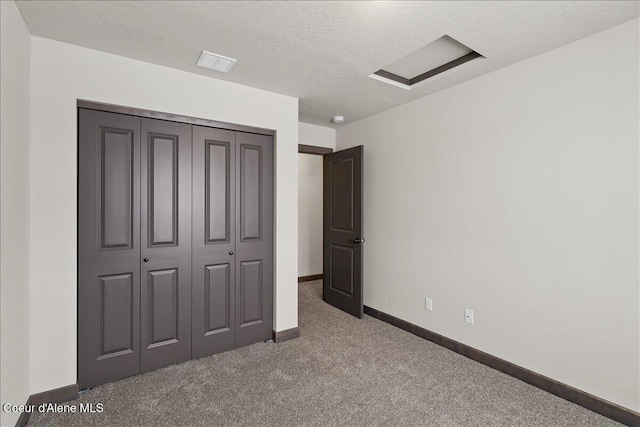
[
  {"x": 516, "y": 194},
  {"x": 15, "y": 49},
  {"x": 309, "y": 214},
  {"x": 319, "y": 136},
  {"x": 310, "y": 197},
  {"x": 61, "y": 74}
]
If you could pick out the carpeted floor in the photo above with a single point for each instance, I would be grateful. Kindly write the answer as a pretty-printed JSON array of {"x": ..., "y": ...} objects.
[{"x": 341, "y": 371}]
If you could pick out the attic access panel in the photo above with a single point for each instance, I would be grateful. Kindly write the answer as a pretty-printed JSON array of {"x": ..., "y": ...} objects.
[{"x": 430, "y": 60}]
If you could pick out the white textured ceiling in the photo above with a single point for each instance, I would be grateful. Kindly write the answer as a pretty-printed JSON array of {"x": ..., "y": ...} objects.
[{"x": 322, "y": 52}]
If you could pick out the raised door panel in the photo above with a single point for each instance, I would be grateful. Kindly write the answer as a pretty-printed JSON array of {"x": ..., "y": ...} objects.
[
  {"x": 341, "y": 273},
  {"x": 108, "y": 247},
  {"x": 163, "y": 189},
  {"x": 251, "y": 293},
  {"x": 116, "y": 188},
  {"x": 251, "y": 164},
  {"x": 165, "y": 181},
  {"x": 115, "y": 317},
  {"x": 162, "y": 328},
  {"x": 342, "y": 174},
  {"x": 217, "y": 296},
  {"x": 254, "y": 259},
  {"x": 213, "y": 240},
  {"x": 217, "y": 191}
]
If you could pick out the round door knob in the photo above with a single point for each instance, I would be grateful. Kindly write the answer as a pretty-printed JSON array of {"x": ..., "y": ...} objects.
[
  {"x": 230, "y": 252},
  {"x": 146, "y": 260}
]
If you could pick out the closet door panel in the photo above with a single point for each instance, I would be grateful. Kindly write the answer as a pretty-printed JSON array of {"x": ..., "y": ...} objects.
[
  {"x": 251, "y": 287},
  {"x": 163, "y": 307},
  {"x": 165, "y": 298},
  {"x": 162, "y": 189},
  {"x": 250, "y": 192},
  {"x": 217, "y": 299},
  {"x": 254, "y": 263},
  {"x": 108, "y": 247},
  {"x": 214, "y": 225}
]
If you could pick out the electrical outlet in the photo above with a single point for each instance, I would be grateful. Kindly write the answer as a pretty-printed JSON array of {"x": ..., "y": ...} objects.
[
  {"x": 428, "y": 304},
  {"x": 468, "y": 315}
]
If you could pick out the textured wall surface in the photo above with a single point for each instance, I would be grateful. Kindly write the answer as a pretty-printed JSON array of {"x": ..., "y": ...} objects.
[
  {"x": 63, "y": 73},
  {"x": 320, "y": 136},
  {"x": 516, "y": 195},
  {"x": 310, "y": 197},
  {"x": 14, "y": 152},
  {"x": 309, "y": 214}
]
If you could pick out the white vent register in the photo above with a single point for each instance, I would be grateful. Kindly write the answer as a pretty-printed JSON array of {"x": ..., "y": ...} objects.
[{"x": 215, "y": 62}]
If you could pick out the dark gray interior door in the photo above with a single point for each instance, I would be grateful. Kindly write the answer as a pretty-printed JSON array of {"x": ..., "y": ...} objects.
[
  {"x": 108, "y": 247},
  {"x": 214, "y": 238},
  {"x": 165, "y": 233},
  {"x": 254, "y": 238},
  {"x": 342, "y": 230}
]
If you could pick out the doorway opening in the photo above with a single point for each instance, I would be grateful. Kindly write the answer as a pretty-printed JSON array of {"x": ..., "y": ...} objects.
[
  {"x": 331, "y": 224},
  {"x": 310, "y": 195}
]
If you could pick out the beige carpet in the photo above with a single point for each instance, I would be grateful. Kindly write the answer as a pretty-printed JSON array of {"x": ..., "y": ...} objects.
[{"x": 341, "y": 371}]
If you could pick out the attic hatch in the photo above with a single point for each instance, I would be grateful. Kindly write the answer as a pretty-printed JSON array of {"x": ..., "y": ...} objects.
[{"x": 442, "y": 54}]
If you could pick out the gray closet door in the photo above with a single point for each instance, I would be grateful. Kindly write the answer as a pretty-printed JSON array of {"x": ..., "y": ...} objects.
[
  {"x": 254, "y": 242},
  {"x": 165, "y": 233},
  {"x": 108, "y": 247},
  {"x": 159, "y": 282},
  {"x": 214, "y": 236}
]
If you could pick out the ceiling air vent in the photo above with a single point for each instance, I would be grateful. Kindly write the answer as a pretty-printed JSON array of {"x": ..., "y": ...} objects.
[
  {"x": 435, "y": 58},
  {"x": 215, "y": 62}
]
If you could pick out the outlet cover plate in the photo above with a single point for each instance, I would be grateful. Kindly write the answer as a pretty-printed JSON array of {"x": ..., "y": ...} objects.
[
  {"x": 428, "y": 304},
  {"x": 468, "y": 315}
]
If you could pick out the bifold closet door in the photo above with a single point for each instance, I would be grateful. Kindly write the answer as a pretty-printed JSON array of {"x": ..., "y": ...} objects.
[
  {"x": 232, "y": 239},
  {"x": 175, "y": 243},
  {"x": 254, "y": 241},
  {"x": 165, "y": 233},
  {"x": 108, "y": 247},
  {"x": 214, "y": 225}
]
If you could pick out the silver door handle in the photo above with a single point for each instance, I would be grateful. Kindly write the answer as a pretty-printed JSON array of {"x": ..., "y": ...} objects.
[{"x": 358, "y": 240}]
